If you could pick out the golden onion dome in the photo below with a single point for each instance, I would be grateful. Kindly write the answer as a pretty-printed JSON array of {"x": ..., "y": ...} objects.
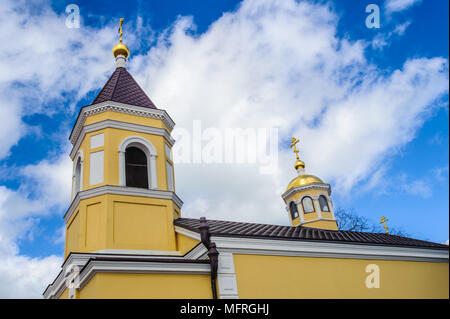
[
  {"x": 303, "y": 180},
  {"x": 121, "y": 49}
]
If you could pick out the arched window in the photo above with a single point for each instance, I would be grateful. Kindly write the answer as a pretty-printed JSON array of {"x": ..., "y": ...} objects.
[
  {"x": 137, "y": 163},
  {"x": 136, "y": 168},
  {"x": 294, "y": 210},
  {"x": 77, "y": 184},
  {"x": 323, "y": 204},
  {"x": 78, "y": 174},
  {"x": 308, "y": 206}
]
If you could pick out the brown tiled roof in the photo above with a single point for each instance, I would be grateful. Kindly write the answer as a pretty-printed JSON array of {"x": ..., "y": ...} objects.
[
  {"x": 121, "y": 87},
  {"x": 240, "y": 229}
]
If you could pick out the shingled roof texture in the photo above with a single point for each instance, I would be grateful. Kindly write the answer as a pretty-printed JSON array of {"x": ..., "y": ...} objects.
[
  {"x": 240, "y": 229},
  {"x": 121, "y": 87}
]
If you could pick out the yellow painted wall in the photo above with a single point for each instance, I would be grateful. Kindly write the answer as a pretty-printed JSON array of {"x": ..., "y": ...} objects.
[
  {"x": 305, "y": 277},
  {"x": 121, "y": 222},
  {"x": 154, "y": 286},
  {"x": 330, "y": 225},
  {"x": 112, "y": 139},
  {"x": 185, "y": 244}
]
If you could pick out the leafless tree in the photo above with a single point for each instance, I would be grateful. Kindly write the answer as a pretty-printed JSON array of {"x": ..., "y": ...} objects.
[{"x": 350, "y": 220}]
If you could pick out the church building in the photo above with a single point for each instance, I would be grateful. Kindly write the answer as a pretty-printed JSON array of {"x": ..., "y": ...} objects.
[{"x": 126, "y": 237}]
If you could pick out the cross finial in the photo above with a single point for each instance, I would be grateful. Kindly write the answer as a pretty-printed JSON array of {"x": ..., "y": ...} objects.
[
  {"x": 120, "y": 29},
  {"x": 383, "y": 221},
  {"x": 294, "y": 142}
]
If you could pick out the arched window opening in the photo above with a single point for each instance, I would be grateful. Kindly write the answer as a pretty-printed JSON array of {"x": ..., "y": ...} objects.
[
  {"x": 323, "y": 204},
  {"x": 294, "y": 210},
  {"x": 136, "y": 169},
  {"x": 77, "y": 182},
  {"x": 308, "y": 206}
]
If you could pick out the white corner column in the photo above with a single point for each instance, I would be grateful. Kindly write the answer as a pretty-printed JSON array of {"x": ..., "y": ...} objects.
[
  {"x": 226, "y": 277},
  {"x": 122, "y": 177},
  {"x": 153, "y": 178}
]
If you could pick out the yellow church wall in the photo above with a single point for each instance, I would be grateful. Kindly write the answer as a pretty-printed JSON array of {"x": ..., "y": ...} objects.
[
  {"x": 306, "y": 277},
  {"x": 73, "y": 233},
  {"x": 65, "y": 294},
  {"x": 322, "y": 224},
  {"x": 116, "y": 136},
  {"x": 121, "y": 222},
  {"x": 112, "y": 139},
  {"x": 150, "y": 286},
  {"x": 185, "y": 244},
  {"x": 310, "y": 192}
]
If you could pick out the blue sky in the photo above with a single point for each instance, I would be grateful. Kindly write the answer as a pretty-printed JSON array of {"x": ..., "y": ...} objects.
[{"x": 400, "y": 171}]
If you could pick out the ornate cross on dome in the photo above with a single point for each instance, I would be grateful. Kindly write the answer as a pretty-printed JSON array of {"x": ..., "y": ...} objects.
[
  {"x": 294, "y": 142},
  {"x": 120, "y": 29}
]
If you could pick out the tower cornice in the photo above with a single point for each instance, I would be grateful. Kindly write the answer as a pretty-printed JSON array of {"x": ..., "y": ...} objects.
[
  {"x": 120, "y": 108},
  {"x": 294, "y": 190}
]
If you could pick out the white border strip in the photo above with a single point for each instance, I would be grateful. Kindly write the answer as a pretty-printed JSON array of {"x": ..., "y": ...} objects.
[
  {"x": 121, "y": 108},
  {"x": 119, "y": 125},
  {"x": 310, "y": 248}
]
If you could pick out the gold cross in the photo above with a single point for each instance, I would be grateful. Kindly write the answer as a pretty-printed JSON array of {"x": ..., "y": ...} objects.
[
  {"x": 120, "y": 29},
  {"x": 383, "y": 221},
  {"x": 294, "y": 142}
]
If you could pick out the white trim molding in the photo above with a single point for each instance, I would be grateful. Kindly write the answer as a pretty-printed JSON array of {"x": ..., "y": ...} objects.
[
  {"x": 120, "y": 190},
  {"x": 150, "y": 152},
  {"x": 294, "y": 190},
  {"x": 115, "y": 263},
  {"x": 121, "y": 108},
  {"x": 123, "y": 126},
  {"x": 316, "y": 248}
]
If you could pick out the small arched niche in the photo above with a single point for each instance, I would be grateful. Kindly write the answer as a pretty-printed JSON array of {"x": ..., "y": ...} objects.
[{"x": 137, "y": 163}]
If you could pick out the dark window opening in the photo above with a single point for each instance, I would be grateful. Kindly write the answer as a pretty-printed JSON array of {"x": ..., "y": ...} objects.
[
  {"x": 294, "y": 210},
  {"x": 323, "y": 204},
  {"x": 308, "y": 206},
  {"x": 136, "y": 168}
]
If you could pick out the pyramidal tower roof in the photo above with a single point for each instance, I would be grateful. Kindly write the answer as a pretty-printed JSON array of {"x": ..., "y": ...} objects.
[{"x": 121, "y": 87}]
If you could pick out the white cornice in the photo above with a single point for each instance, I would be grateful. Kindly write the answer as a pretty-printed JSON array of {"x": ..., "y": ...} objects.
[
  {"x": 121, "y": 190},
  {"x": 55, "y": 289},
  {"x": 187, "y": 232},
  {"x": 119, "y": 125},
  {"x": 294, "y": 190},
  {"x": 121, "y": 108}
]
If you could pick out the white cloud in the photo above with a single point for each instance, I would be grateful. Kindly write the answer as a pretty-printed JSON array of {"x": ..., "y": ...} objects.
[
  {"x": 45, "y": 189},
  {"x": 281, "y": 64},
  {"x": 24, "y": 277},
  {"x": 399, "y": 5},
  {"x": 381, "y": 40},
  {"x": 41, "y": 60}
]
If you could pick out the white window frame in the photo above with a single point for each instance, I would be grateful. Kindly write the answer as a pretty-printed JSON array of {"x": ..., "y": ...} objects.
[
  {"x": 150, "y": 152},
  {"x": 80, "y": 158}
]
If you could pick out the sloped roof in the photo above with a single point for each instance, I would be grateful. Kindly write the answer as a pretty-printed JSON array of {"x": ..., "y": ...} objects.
[
  {"x": 240, "y": 229},
  {"x": 121, "y": 87}
]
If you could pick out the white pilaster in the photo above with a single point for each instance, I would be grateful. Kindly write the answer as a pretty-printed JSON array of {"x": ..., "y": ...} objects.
[{"x": 226, "y": 277}]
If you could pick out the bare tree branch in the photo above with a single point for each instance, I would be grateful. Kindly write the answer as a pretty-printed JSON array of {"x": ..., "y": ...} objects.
[{"x": 350, "y": 220}]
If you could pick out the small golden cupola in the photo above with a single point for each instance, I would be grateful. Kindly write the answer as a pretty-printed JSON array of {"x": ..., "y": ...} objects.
[{"x": 308, "y": 199}]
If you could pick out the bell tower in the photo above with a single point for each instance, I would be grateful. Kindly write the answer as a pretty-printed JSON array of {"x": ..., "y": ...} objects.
[
  {"x": 308, "y": 198},
  {"x": 123, "y": 188}
]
